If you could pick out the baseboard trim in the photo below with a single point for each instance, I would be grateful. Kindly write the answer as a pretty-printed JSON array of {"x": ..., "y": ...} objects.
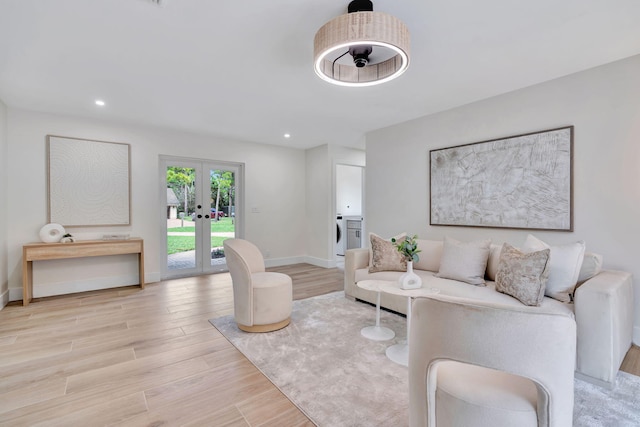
[
  {"x": 277, "y": 262},
  {"x": 319, "y": 262},
  {"x": 152, "y": 277},
  {"x": 4, "y": 299}
]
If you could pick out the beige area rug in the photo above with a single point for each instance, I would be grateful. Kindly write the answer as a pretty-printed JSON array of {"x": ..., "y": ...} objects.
[{"x": 339, "y": 378}]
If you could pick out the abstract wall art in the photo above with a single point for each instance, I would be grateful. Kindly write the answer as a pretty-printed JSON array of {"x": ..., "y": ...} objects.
[{"x": 522, "y": 181}]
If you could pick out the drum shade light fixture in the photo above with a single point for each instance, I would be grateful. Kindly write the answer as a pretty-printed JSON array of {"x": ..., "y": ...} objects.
[{"x": 361, "y": 48}]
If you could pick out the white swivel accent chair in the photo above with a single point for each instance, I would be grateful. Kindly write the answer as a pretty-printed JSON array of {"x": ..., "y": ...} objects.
[
  {"x": 262, "y": 300},
  {"x": 476, "y": 363}
]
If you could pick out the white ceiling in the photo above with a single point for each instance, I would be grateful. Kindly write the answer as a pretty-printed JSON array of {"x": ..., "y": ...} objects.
[{"x": 243, "y": 69}]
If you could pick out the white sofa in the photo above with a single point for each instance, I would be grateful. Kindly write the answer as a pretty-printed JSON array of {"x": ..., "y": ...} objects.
[{"x": 603, "y": 304}]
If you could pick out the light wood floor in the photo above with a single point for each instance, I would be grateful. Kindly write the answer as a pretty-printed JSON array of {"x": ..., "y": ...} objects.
[
  {"x": 147, "y": 357},
  {"x": 140, "y": 358}
]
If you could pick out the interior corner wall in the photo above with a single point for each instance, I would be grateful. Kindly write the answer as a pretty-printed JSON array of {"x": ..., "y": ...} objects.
[
  {"x": 603, "y": 105},
  {"x": 318, "y": 205},
  {"x": 4, "y": 221},
  {"x": 274, "y": 181}
]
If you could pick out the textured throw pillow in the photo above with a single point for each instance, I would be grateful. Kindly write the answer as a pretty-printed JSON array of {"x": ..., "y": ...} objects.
[
  {"x": 564, "y": 266},
  {"x": 522, "y": 275},
  {"x": 464, "y": 261},
  {"x": 385, "y": 256},
  {"x": 397, "y": 237}
]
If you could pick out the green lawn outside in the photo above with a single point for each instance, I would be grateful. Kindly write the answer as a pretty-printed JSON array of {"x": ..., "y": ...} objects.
[
  {"x": 177, "y": 244},
  {"x": 224, "y": 225}
]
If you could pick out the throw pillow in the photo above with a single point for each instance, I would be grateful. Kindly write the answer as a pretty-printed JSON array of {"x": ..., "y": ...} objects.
[
  {"x": 591, "y": 265},
  {"x": 492, "y": 262},
  {"x": 385, "y": 256},
  {"x": 397, "y": 237},
  {"x": 464, "y": 261},
  {"x": 522, "y": 275},
  {"x": 430, "y": 255},
  {"x": 564, "y": 266}
]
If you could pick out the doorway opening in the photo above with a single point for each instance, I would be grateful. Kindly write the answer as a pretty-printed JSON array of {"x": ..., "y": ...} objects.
[{"x": 349, "y": 194}]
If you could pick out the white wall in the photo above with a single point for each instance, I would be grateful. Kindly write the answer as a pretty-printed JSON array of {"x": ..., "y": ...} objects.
[
  {"x": 318, "y": 205},
  {"x": 321, "y": 164},
  {"x": 604, "y": 106},
  {"x": 274, "y": 181},
  {"x": 4, "y": 284},
  {"x": 349, "y": 189}
]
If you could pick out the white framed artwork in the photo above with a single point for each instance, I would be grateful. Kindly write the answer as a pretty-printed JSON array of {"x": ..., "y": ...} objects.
[{"x": 88, "y": 182}]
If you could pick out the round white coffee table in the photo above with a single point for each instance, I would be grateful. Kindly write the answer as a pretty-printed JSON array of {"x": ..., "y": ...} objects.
[
  {"x": 377, "y": 332},
  {"x": 399, "y": 353}
]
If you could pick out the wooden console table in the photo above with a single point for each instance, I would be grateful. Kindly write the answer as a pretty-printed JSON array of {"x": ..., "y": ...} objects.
[{"x": 87, "y": 248}]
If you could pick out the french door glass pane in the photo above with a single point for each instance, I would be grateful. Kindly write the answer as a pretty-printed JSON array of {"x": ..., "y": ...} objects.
[
  {"x": 222, "y": 184},
  {"x": 181, "y": 231}
]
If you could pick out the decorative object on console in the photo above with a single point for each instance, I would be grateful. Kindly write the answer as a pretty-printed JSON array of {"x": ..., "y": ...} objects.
[
  {"x": 464, "y": 261},
  {"x": 522, "y": 181},
  {"x": 565, "y": 262},
  {"x": 67, "y": 238},
  {"x": 360, "y": 33},
  {"x": 115, "y": 236},
  {"x": 51, "y": 233},
  {"x": 88, "y": 182},
  {"x": 523, "y": 275},
  {"x": 384, "y": 256},
  {"x": 409, "y": 249}
]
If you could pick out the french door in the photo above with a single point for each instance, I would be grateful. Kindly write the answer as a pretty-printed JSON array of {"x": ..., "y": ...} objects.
[{"x": 202, "y": 207}]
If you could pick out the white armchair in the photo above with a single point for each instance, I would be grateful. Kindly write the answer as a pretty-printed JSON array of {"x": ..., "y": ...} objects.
[
  {"x": 482, "y": 364},
  {"x": 262, "y": 300}
]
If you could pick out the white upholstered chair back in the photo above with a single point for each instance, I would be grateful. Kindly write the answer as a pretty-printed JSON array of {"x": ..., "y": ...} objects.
[{"x": 523, "y": 341}]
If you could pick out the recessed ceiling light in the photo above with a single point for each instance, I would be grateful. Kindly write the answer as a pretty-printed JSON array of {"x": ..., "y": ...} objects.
[
  {"x": 286, "y": 135},
  {"x": 100, "y": 102}
]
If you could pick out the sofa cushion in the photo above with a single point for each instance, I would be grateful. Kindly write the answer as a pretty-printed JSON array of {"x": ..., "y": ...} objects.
[
  {"x": 464, "y": 261},
  {"x": 430, "y": 255},
  {"x": 564, "y": 266},
  {"x": 385, "y": 256},
  {"x": 523, "y": 275}
]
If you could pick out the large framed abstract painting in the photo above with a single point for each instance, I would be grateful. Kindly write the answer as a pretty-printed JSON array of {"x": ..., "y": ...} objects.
[
  {"x": 523, "y": 181},
  {"x": 89, "y": 182}
]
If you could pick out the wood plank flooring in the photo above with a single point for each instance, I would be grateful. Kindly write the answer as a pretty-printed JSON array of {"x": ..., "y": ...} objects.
[
  {"x": 137, "y": 357},
  {"x": 149, "y": 357}
]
